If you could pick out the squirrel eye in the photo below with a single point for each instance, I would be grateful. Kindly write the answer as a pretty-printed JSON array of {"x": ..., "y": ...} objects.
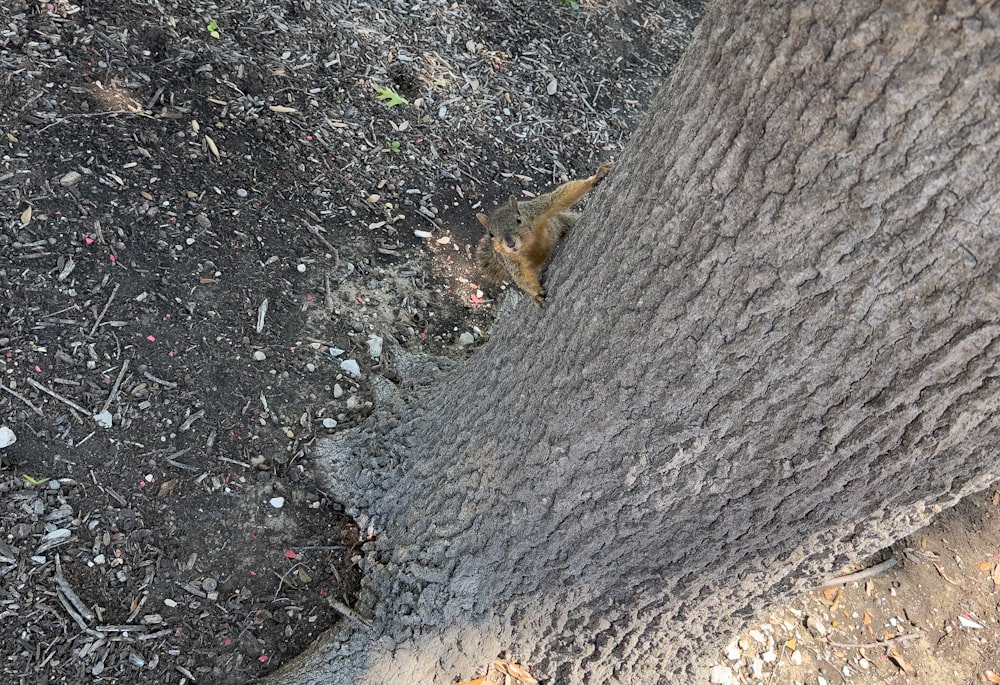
[{"x": 518, "y": 220}]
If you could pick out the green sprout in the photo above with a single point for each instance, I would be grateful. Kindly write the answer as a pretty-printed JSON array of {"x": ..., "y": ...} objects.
[
  {"x": 213, "y": 28},
  {"x": 34, "y": 481},
  {"x": 394, "y": 146},
  {"x": 390, "y": 98},
  {"x": 572, "y": 4}
]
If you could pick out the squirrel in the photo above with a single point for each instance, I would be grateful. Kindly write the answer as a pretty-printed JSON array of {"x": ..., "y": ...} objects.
[{"x": 522, "y": 235}]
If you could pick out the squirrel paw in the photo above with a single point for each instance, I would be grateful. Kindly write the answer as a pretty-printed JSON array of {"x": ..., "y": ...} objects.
[
  {"x": 603, "y": 170},
  {"x": 539, "y": 297}
]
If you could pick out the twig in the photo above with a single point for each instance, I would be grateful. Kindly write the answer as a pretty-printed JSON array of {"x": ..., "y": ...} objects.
[
  {"x": 165, "y": 384},
  {"x": 74, "y": 599},
  {"x": 349, "y": 613},
  {"x": 860, "y": 575},
  {"x": 117, "y": 385},
  {"x": 104, "y": 311},
  {"x": 877, "y": 643},
  {"x": 23, "y": 399},
  {"x": 52, "y": 393}
]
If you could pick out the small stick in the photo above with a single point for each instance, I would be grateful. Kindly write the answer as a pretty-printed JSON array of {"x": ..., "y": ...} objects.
[
  {"x": 165, "y": 384},
  {"x": 348, "y": 612},
  {"x": 35, "y": 384},
  {"x": 877, "y": 643},
  {"x": 860, "y": 575},
  {"x": 105, "y": 310},
  {"x": 118, "y": 384},
  {"x": 261, "y": 314},
  {"x": 74, "y": 599},
  {"x": 23, "y": 399}
]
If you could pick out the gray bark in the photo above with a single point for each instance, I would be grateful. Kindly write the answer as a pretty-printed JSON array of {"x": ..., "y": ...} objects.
[{"x": 769, "y": 348}]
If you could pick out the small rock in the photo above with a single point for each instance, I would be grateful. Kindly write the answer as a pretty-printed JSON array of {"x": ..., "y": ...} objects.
[
  {"x": 758, "y": 636},
  {"x": 329, "y": 423},
  {"x": 769, "y": 656},
  {"x": 300, "y": 267},
  {"x": 277, "y": 502},
  {"x": 7, "y": 437},
  {"x": 722, "y": 675},
  {"x": 796, "y": 658},
  {"x": 209, "y": 584},
  {"x": 757, "y": 668},
  {"x": 203, "y": 221},
  {"x": 338, "y": 391},
  {"x": 351, "y": 367},
  {"x": 816, "y": 626},
  {"x": 466, "y": 339},
  {"x": 170, "y": 603},
  {"x": 820, "y": 680},
  {"x": 70, "y": 178},
  {"x": 374, "y": 346},
  {"x": 259, "y": 356},
  {"x": 310, "y": 367},
  {"x": 241, "y": 192},
  {"x": 733, "y": 652},
  {"x": 104, "y": 419},
  {"x": 352, "y": 402},
  {"x": 336, "y": 351}
]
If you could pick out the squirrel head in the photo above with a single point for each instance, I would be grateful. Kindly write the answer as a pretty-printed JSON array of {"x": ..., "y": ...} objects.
[{"x": 504, "y": 227}]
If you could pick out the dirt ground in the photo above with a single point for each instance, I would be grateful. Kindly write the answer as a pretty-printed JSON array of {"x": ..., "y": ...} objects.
[{"x": 209, "y": 224}]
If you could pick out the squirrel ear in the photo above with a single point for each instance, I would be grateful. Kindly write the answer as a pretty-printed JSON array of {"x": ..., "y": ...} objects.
[
  {"x": 484, "y": 220},
  {"x": 512, "y": 201}
]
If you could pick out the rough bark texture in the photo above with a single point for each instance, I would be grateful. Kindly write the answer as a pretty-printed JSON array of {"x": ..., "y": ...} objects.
[{"x": 769, "y": 347}]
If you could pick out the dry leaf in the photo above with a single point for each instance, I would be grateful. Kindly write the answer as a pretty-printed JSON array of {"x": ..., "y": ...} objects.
[
  {"x": 830, "y": 593},
  {"x": 945, "y": 575},
  {"x": 26, "y": 216},
  {"x": 166, "y": 487},
  {"x": 984, "y": 566},
  {"x": 991, "y": 677},
  {"x": 211, "y": 146},
  {"x": 902, "y": 663},
  {"x": 791, "y": 644},
  {"x": 443, "y": 240}
]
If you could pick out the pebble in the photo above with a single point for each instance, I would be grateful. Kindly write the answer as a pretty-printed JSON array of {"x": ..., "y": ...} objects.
[
  {"x": 7, "y": 437},
  {"x": 277, "y": 502},
  {"x": 310, "y": 367},
  {"x": 351, "y": 367},
  {"x": 259, "y": 356},
  {"x": 816, "y": 626},
  {"x": 300, "y": 267},
  {"x": 209, "y": 584},
  {"x": 466, "y": 339},
  {"x": 336, "y": 351},
  {"x": 722, "y": 675},
  {"x": 241, "y": 192},
  {"x": 375, "y": 346},
  {"x": 338, "y": 391},
  {"x": 352, "y": 402},
  {"x": 203, "y": 221},
  {"x": 733, "y": 652},
  {"x": 104, "y": 419},
  {"x": 329, "y": 424}
]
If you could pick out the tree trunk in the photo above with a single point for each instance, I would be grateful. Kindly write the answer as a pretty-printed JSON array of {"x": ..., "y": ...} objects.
[{"x": 768, "y": 348}]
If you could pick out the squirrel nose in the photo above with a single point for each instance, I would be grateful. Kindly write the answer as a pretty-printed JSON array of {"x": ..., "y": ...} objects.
[{"x": 509, "y": 241}]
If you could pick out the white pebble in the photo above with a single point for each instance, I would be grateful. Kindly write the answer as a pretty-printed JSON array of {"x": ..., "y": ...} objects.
[
  {"x": 722, "y": 675},
  {"x": 338, "y": 391},
  {"x": 336, "y": 351},
  {"x": 351, "y": 367},
  {"x": 259, "y": 356},
  {"x": 758, "y": 636},
  {"x": 277, "y": 502},
  {"x": 7, "y": 437},
  {"x": 423, "y": 234},
  {"x": 170, "y": 603},
  {"x": 301, "y": 268},
  {"x": 103, "y": 419},
  {"x": 329, "y": 423},
  {"x": 733, "y": 652},
  {"x": 374, "y": 346},
  {"x": 466, "y": 339}
]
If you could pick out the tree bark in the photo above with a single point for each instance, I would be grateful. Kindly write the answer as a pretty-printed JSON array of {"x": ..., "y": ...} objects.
[{"x": 769, "y": 348}]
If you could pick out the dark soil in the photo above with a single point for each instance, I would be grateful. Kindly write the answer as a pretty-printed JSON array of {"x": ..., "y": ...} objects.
[{"x": 196, "y": 231}]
